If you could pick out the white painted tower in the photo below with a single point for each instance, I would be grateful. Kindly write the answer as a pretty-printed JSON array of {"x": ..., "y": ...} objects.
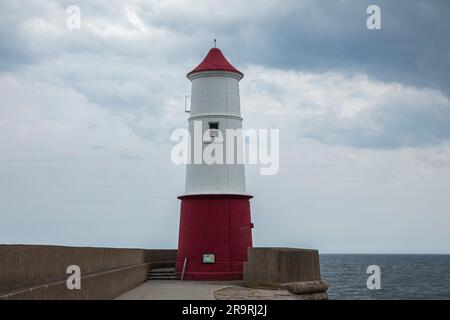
[{"x": 215, "y": 102}]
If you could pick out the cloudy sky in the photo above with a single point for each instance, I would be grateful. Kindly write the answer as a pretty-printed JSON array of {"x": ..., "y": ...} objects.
[{"x": 364, "y": 118}]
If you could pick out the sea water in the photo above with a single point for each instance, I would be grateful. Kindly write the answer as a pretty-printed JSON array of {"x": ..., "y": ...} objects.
[{"x": 402, "y": 276}]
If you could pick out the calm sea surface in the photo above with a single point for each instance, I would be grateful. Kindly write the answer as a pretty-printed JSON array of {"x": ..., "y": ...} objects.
[{"x": 402, "y": 276}]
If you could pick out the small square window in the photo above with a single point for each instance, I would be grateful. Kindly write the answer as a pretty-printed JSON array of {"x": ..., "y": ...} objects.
[{"x": 214, "y": 126}]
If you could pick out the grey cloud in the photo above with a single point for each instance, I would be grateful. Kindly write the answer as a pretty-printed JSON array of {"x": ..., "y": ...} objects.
[
  {"x": 411, "y": 48},
  {"x": 308, "y": 35},
  {"x": 127, "y": 156},
  {"x": 393, "y": 124},
  {"x": 137, "y": 74},
  {"x": 354, "y": 111}
]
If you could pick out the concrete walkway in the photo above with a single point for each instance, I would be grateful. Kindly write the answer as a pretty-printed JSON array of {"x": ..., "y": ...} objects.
[{"x": 176, "y": 290}]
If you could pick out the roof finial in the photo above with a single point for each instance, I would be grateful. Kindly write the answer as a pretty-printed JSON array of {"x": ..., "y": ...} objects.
[{"x": 215, "y": 42}]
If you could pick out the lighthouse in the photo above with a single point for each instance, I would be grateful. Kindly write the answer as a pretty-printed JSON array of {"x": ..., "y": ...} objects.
[{"x": 215, "y": 224}]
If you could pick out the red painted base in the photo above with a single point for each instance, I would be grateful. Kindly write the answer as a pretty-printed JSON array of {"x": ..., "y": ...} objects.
[{"x": 214, "y": 224}]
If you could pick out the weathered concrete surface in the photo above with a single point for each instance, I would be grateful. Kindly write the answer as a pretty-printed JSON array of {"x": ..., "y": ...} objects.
[
  {"x": 210, "y": 290},
  {"x": 270, "y": 267},
  {"x": 176, "y": 290},
  {"x": 39, "y": 272},
  {"x": 245, "y": 293}
]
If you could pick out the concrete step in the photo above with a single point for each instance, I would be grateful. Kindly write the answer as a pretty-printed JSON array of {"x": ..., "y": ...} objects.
[
  {"x": 165, "y": 278},
  {"x": 163, "y": 270},
  {"x": 163, "y": 274}
]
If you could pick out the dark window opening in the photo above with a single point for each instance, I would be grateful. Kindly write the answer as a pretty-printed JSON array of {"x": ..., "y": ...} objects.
[{"x": 214, "y": 126}]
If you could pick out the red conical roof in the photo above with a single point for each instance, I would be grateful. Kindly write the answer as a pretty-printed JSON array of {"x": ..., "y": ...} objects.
[{"x": 215, "y": 60}]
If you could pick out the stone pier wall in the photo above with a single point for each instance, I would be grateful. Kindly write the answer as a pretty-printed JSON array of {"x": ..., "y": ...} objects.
[
  {"x": 270, "y": 267},
  {"x": 39, "y": 272}
]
